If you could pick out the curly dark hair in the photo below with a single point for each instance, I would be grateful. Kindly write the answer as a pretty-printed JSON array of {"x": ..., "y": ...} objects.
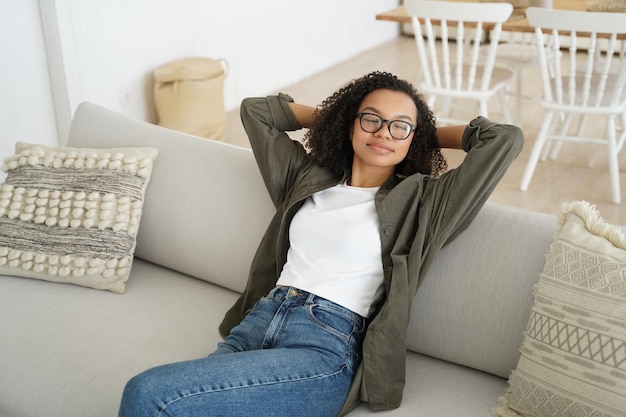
[{"x": 329, "y": 138}]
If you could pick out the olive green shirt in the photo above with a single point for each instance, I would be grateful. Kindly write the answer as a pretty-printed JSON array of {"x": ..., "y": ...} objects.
[{"x": 418, "y": 215}]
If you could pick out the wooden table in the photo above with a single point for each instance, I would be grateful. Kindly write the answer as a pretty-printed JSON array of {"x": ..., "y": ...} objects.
[{"x": 517, "y": 22}]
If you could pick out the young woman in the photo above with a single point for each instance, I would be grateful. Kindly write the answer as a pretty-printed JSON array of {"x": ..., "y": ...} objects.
[{"x": 362, "y": 210}]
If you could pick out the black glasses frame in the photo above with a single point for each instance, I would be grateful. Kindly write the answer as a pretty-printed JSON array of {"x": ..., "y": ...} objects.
[{"x": 360, "y": 115}]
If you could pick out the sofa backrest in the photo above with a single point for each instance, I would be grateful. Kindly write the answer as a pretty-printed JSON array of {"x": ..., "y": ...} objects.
[
  {"x": 206, "y": 206},
  {"x": 475, "y": 301}
]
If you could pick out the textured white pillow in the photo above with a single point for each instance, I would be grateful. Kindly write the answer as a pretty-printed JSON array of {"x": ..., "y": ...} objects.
[
  {"x": 573, "y": 355},
  {"x": 72, "y": 214}
]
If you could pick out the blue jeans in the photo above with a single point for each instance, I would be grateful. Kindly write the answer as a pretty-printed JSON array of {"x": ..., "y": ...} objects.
[{"x": 294, "y": 354}]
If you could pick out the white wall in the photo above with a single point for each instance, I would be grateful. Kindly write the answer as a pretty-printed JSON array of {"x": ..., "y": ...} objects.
[
  {"x": 26, "y": 112},
  {"x": 105, "y": 51},
  {"x": 110, "y": 48}
]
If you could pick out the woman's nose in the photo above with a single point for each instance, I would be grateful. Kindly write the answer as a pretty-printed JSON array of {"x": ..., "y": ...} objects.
[{"x": 384, "y": 131}]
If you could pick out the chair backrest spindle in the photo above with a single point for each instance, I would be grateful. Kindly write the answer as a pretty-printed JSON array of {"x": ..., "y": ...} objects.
[
  {"x": 450, "y": 57},
  {"x": 591, "y": 78}
]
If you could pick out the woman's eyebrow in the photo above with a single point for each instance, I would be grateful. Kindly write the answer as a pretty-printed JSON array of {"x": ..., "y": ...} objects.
[
  {"x": 399, "y": 116},
  {"x": 373, "y": 109}
]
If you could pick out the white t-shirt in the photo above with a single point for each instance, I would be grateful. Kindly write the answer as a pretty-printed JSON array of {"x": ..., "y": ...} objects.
[{"x": 335, "y": 248}]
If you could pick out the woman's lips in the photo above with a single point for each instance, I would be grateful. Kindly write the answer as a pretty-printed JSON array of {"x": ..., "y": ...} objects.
[{"x": 380, "y": 147}]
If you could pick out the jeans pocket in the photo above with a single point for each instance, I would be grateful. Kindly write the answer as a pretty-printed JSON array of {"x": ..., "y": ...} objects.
[{"x": 334, "y": 321}]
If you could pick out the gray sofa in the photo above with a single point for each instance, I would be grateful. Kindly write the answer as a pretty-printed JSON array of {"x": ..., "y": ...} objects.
[{"x": 67, "y": 351}]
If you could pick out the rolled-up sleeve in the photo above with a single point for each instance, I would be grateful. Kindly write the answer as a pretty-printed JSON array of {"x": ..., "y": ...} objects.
[
  {"x": 266, "y": 121},
  {"x": 458, "y": 195}
]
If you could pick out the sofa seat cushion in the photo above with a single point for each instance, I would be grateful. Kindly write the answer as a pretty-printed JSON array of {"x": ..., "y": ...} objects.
[
  {"x": 443, "y": 389},
  {"x": 60, "y": 340}
]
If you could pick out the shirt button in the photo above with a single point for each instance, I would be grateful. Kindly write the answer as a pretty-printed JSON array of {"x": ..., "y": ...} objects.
[
  {"x": 389, "y": 268},
  {"x": 387, "y": 231}
]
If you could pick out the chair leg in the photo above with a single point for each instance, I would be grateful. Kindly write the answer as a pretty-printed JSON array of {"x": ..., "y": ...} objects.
[
  {"x": 622, "y": 139},
  {"x": 482, "y": 108},
  {"x": 613, "y": 162},
  {"x": 581, "y": 124},
  {"x": 600, "y": 150},
  {"x": 556, "y": 147},
  {"x": 595, "y": 156},
  {"x": 518, "y": 97},
  {"x": 551, "y": 142},
  {"x": 536, "y": 151},
  {"x": 504, "y": 105},
  {"x": 618, "y": 144}
]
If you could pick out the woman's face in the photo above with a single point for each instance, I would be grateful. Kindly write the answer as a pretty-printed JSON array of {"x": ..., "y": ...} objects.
[{"x": 379, "y": 150}]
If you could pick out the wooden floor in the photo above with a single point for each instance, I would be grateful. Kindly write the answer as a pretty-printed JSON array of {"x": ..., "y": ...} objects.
[{"x": 565, "y": 179}]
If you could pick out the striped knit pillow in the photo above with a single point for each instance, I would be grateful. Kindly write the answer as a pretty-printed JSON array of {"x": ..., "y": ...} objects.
[{"x": 72, "y": 214}]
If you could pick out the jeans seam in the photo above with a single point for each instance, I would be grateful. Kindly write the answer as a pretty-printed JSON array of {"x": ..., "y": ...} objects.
[{"x": 255, "y": 385}]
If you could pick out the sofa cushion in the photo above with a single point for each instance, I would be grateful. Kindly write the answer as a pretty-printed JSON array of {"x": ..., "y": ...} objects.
[
  {"x": 573, "y": 358},
  {"x": 69, "y": 350},
  {"x": 436, "y": 388},
  {"x": 72, "y": 214}
]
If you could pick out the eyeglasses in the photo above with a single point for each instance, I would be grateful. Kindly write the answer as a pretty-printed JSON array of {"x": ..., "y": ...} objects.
[{"x": 372, "y": 123}]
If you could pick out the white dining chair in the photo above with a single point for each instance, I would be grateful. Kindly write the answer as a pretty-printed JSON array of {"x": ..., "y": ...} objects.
[
  {"x": 590, "y": 82},
  {"x": 518, "y": 52},
  {"x": 451, "y": 65}
]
